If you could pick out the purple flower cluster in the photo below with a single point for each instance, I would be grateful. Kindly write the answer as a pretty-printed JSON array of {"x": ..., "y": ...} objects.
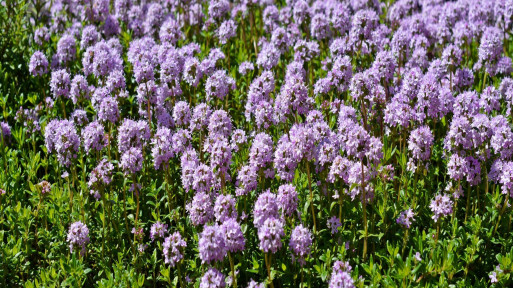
[
  {"x": 78, "y": 237},
  {"x": 173, "y": 249}
]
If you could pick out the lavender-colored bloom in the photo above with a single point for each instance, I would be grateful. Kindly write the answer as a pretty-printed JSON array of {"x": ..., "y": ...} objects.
[
  {"x": 182, "y": 114},
  {"x": 287, "y": 199},
  {"x": 108, "y": 110},
  {"x": 211, "y": 244},
  {"x": 457, "y": 167},
  {"x": 405, "y": 218},
  {"x": 162, "y": 149},
  {"x": 261, "y": 152},
  {"x": 78, "y": 237},
  {"x": 200, "y": 209},
  {"x": 100, "y": 177},
  {"x": 213, "y": 279},
  {"x": 173, "y": 249},
  {"x": 5, "y": 131},
  {"x": 200, "y": 117},
  {"x": 254, "y": 284},
  {"x": 441, "y": 206},
  {"x": 224, "y": 208},
  {"x": 265, "y": 207},
  {"x": 45, "y": 187},
  {"x": 60, "y": 83},
  {"x": 233, "y": 236},
  {"x": 245, "y": 67},
  {"x": 333, "y": 224},
  {"x": 90, "y": 36},
  {"x": 268, "y": 56},
  {"x": 170, "y": 31},
  {"x": 181, "y": 141},
  {"x": 111, "y": 26},
  {"x": 219, "y": 85},
  {"x": 218, "y": 8},
  {"x": 192, "y": 72},
  {"x": 502, "y": 137},
  {"x": 79, "y": 89},
  {"x": 420, "y": 142},
  {"x": 158, "y": 230},
  {"x": 61, "y": 136},
  {"x": 300, "y": 243},
  {"x": 38, "y": 65},
  {"x": 94, "y": 137},
  {"x": 220, "y": 124},
  {"x": 270, "y": 234},
  {"x": 340, "y": 276},
  {"x": 238, "y": 138},
  {"x": 131, "y": 160},
  {"x": 227, "y": 30},
  {"x": 66, "y": 50},
  {"x": 320, "y": 27},
  {"x": 132, "y": 134},
  {"x": 246, "y": 180},
  {"x": 203, "y": 179},
  {"x": 41, "y": 36}
]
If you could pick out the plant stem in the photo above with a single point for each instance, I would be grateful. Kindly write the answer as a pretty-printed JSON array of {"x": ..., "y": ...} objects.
[
  {"x": 311, "y": 195},
  {"x": 267, "y": 258},
  {"x": 232, "y": 267}
]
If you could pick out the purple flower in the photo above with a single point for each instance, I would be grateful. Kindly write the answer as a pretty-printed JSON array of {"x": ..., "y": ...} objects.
[
  {"x": 79, "y": 89},
  {"x": 261, "y": 152},
  {"x": 233, "y": 236},
  {"x": 170, "y": 31},
  {"x": 227, "y": 30},
  {"x": 265, "y": 207},
  {"x": 270, "y": 234},
  {"x": 94, "y": 137},
  {"x": 220, "y": 124},
  {"x": 219, "y": 85},
  {"x": 420, "y": 142},
  {"x": 300, "y": 243},
  {"x": 238, "y": 138},
  {"x": 224, "y": 208},
  {"x": 245, "y": 67},
  {"x": 100, "y": 177},
  {"x": 61, "y": 137},
  {"x": 158, "y": 231},
  {"x": 60, "y": 83},
  {"x": 405, "y": 218},
  {"x": 5, "y": 131},
  {"x": 38, "y": 65},
  {"x": 78, "y": 237},
  {"x": 108, "y": 110},
  {"x": 45, "y": 187},
  {"x": 254, "y": 284},
  {"x": 66, "y": 50},
  {"x": 333, "y": 224},
  {"x": 287, "y": 199},
  {"x": 213, "y": 279},
  {"x": 211, "y": 244},
  {"x": 182, "y": 114},
  {"x": 162, "y": 150},
  {"x": 131, "y": 160},
  {"x": 340, "y": 276},
  {"x": 268, "y": 56},
  {"x": 41, "y": 36},
  {"x": 200, "y": 117},
  {"x": 200, "y": 209},
  {"x": 441, "y": 206},
  {"x": 173, "y": 249},
  {"x": 133, "y": 134},
  {"x": 246, "y": 180}
]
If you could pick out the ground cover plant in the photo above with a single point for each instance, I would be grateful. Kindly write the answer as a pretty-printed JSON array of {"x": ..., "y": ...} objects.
[{"x": 256, "y": 143}]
